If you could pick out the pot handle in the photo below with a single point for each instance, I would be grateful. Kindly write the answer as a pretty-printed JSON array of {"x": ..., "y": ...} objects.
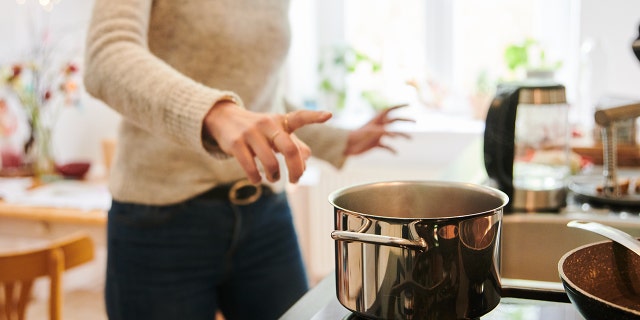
[{"x": 419, "y": 244}]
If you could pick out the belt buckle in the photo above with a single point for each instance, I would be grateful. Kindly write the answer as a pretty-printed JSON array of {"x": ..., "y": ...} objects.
[{"x": 234, "y": 196}]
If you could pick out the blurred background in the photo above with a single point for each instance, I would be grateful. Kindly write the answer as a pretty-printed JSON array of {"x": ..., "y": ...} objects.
[{"x": 352, "y": 57}]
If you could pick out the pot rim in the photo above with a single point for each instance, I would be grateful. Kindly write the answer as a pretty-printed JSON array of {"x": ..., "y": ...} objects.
[
  {"x": 466, "y": 185},
  {"x": 585, "y": 293}
]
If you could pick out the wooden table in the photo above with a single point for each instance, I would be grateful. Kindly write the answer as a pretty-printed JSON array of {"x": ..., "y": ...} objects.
[
  {"x": 25, "y": 207},
  {"x": 23, "y": 226},
  {"x": 94, "y": 217}
]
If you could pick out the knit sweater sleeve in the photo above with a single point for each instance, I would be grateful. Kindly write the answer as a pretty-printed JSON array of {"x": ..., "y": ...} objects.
[{"x": 121, "y": 71}]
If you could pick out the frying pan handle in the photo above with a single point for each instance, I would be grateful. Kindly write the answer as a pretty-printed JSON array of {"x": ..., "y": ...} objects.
[
  {"x": 419, "y": 244},
  {"x": 523, "y": 292}
]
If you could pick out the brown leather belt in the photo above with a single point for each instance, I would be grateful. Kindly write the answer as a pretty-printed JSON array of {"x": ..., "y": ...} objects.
[{"x": 241, "y": 192}]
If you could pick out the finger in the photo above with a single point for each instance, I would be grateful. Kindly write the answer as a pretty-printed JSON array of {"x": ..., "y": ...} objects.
[
  {"x": 262, "y": 148},
  {"x": 385, "y": 111},
  {"x": 388, "y": 148},
  {"x": 273, "y": 136},
  {"x": 392, "y": 120},
  {"x": 245, "y": 158},
  {"x": 394, "y": 134},
  {"x": 300, "y": 118},
  {"x": 305, "y": 151},
  {"x": 285, "y": 124},
  {"x": 293, "y": 157},
  {"x": 382, "y": 116}
]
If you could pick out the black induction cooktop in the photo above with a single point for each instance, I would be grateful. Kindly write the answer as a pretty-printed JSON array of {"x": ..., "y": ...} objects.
[{"x": 321, "y": 303}]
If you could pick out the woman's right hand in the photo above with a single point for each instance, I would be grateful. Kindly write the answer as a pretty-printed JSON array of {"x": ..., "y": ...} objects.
[{"x": 248, "y": 135}]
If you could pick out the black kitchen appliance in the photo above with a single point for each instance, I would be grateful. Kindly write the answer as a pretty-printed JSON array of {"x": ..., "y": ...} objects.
[
  {"x": 321, "y": 303},
  {"x": 526, "y": 130}
]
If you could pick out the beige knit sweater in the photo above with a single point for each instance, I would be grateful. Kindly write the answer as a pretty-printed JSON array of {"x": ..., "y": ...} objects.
[{"x": 162, "y": 64}]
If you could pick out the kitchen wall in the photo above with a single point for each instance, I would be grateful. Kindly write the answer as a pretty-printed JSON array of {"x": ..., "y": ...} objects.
[
  {"x": 613, "y": 25},
  {"x": 606, "y": 32}
]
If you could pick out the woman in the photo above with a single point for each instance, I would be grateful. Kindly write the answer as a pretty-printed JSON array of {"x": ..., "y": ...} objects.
[{"x": 194, "y": 227}]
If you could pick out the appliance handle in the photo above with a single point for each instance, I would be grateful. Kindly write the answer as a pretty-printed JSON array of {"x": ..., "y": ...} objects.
[{"x": 499, "y": 137}]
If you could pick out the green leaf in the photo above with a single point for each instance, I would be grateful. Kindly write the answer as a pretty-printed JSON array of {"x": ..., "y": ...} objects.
[
  {"x": 515, "y": 56},
  {"x": 326, "y": 85}
]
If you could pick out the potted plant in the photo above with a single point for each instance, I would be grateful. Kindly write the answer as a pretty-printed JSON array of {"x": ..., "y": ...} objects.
[
  {"x": 528, "y": 59},
  {"x": 342, "y": 71}
]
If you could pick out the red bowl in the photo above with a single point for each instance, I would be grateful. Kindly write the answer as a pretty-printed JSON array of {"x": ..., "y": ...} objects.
[{"x": 73, "y": 170}]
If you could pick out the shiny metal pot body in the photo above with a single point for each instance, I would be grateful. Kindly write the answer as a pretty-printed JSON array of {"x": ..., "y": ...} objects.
[{"x": 418, "y": 249}]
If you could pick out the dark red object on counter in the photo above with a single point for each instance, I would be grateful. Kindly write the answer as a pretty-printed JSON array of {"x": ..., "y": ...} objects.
[{"x": 74, "y": 170}]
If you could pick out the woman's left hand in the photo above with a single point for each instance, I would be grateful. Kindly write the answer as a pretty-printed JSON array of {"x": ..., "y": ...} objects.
[{"x": 370, "y": 135}]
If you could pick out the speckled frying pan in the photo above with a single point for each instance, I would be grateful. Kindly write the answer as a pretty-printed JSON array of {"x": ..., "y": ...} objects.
[{"x": 602, "y": 280}]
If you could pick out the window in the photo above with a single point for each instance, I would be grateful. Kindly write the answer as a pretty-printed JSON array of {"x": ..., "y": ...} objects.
[{"x": 452, "y": 50}]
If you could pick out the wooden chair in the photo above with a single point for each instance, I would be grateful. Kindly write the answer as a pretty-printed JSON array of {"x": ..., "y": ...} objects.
[{"x": 19, "y": 270}]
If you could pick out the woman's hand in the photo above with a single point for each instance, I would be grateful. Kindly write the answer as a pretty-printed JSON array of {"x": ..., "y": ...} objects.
[
  {"x": 370, "y": 135},
  {"x": 247, "y": 135}
]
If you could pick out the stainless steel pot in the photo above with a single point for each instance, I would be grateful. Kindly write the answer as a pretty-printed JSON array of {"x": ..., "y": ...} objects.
[{"x": 418, "y": 249}]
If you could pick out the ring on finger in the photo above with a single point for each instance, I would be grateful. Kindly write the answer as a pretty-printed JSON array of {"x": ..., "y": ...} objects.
[
  {"x": 286, "y": 123},
  {"x": 273, "y": 136}
]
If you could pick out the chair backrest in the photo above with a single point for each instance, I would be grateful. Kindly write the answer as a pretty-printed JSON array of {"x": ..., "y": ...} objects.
[{"x": 18, "y": 271}]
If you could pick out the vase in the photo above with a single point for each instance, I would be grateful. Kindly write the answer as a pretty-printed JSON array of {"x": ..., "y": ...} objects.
[
  {"x": 12, "y": 162},
  {"x": 42, "y": 157}
]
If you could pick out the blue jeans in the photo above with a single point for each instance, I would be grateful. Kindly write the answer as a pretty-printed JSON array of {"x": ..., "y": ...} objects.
[{"x": 186, "y": 261}]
